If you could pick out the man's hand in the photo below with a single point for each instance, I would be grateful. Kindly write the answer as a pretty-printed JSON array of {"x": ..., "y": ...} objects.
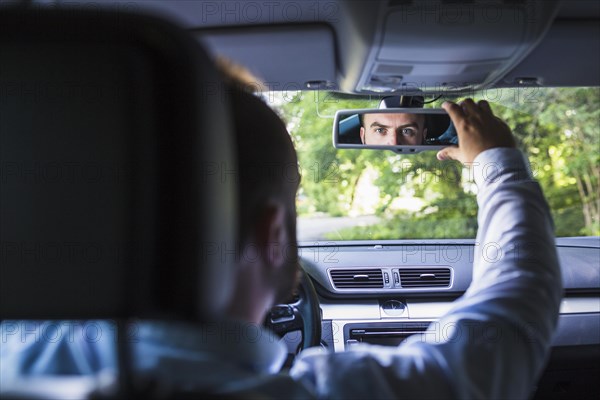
[{"x": 478, "y": 130}]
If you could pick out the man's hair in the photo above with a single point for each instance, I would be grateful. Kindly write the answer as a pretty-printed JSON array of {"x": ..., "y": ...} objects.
[
  {"x": 239, "y": 77},
  {"x": 361, "y": 117},
  {"x": 267, "y": 163}
]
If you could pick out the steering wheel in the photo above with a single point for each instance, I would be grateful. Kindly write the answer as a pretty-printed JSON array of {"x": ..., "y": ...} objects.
[{"x": 301, "y": 314}]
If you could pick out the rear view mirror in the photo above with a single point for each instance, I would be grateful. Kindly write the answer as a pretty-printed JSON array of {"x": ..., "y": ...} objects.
[{"x": 403, "y": 130}]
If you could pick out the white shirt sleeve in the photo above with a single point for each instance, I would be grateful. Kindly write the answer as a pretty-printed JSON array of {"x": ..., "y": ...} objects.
[{"x": 495, "y": 340}]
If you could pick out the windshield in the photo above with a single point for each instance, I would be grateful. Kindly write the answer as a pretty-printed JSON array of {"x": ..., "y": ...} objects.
[{"x": 365, "y": 195}]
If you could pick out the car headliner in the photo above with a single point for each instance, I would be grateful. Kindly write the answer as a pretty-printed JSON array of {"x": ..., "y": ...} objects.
[{"x": 291, "y": 43}]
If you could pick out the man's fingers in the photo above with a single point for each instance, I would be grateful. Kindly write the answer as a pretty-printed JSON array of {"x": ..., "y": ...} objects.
[
  {"x": 469, "y": 106},
  {"x": 448, "y": 153},
  {"x": 485, "y": 106},
  {"x": 454, "y": 111}
]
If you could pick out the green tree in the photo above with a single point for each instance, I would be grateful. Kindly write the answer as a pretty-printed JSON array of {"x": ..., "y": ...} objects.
[{"x": 558, "y": 128}]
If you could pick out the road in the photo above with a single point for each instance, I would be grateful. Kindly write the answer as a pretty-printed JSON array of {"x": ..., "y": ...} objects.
[{"x": 315, "y": 228}]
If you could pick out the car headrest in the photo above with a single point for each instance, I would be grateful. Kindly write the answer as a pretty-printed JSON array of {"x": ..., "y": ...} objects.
[{"x": 117, "y": 180}]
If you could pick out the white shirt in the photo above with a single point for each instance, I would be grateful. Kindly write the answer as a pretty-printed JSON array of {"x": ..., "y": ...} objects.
[
  {"x": 492, "y": 344},
  {"x": 495, "y": 340}
]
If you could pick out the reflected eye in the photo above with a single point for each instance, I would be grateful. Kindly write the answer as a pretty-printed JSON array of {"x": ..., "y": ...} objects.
[
  {"x": 381, "y": 131},
  {"x": 408, "y": 132}
]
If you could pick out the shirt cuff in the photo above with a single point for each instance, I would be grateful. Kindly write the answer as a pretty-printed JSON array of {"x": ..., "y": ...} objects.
[{"x": 500, "y": 164}]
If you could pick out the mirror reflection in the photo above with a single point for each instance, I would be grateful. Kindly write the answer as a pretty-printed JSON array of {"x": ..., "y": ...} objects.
[{"x": 397, "y": 129}]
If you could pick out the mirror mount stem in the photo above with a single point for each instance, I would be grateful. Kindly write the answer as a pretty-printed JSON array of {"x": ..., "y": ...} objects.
[{"x": 402, "y": 102}]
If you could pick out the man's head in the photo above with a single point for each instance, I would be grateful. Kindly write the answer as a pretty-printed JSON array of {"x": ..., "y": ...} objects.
[
  {"x": 268, "y": 180},
  {"x": 393, "y": 129}
]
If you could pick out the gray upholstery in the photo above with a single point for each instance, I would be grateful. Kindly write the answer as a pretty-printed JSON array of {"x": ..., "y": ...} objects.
[{"x": 117, "y": 192}]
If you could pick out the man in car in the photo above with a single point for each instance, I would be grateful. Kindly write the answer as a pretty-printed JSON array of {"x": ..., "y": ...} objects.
[
  {"x": 393, "y": 129},
  {"x": 492, "y": 344}
]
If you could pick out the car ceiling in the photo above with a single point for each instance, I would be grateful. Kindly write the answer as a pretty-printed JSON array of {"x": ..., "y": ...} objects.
[{"x": 392, "y": 46}]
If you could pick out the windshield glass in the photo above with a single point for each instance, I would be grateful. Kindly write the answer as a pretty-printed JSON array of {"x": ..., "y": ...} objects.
[{"x": 368, "y": 194}]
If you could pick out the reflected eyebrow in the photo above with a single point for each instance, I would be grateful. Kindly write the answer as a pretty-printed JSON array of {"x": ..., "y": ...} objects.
[
  {"x": 379, "y": 124},
  {"x": 411, "y": 125}
]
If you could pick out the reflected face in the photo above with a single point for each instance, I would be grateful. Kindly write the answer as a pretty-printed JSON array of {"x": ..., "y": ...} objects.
[{"x": 393, "y": 129}]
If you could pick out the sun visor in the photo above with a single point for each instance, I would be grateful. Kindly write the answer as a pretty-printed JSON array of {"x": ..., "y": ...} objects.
[
  {"x": 284, "y": 57},
  {"x": 439, "y": 46}
]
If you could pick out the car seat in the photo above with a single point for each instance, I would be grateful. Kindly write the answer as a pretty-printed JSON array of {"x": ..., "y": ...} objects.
[{"x": 117, "y": 178}]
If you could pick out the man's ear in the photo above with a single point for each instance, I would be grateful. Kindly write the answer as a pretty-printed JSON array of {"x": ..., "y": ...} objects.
[
  {"x": 362, "y": 135},
  {"x": 273, "y": 234}
]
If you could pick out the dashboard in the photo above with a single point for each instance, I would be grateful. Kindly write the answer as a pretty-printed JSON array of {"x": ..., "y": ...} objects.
[{"x": 383, "y": 292}]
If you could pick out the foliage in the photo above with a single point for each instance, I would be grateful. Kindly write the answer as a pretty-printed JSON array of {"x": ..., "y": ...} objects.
[
  {"x": 416, "y": 196},
  {"x": 559, "y": 130}
]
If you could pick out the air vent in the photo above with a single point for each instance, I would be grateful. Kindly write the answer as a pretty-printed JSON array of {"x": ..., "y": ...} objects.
[
  {"x": 357, "y": 278},
  {"x": 424, "y": 277}
]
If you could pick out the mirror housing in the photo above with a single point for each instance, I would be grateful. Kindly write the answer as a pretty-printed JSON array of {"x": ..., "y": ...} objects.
[{"x": 402, "y": 130}]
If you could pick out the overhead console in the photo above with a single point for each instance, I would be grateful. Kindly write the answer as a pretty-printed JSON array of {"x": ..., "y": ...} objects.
[{"x": 437, "y": 46}]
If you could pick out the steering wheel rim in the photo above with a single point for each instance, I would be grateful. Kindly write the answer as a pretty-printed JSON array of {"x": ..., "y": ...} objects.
[{"x": 303, "y": 314}]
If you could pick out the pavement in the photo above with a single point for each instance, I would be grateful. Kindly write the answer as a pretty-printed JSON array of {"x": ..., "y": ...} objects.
[{"x": 315, "y": 228}]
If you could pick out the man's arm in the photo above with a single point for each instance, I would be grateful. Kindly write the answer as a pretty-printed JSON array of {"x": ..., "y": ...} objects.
[
  {"x": 495, "y": 341},
  {"x": 53, "y": 348}
]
